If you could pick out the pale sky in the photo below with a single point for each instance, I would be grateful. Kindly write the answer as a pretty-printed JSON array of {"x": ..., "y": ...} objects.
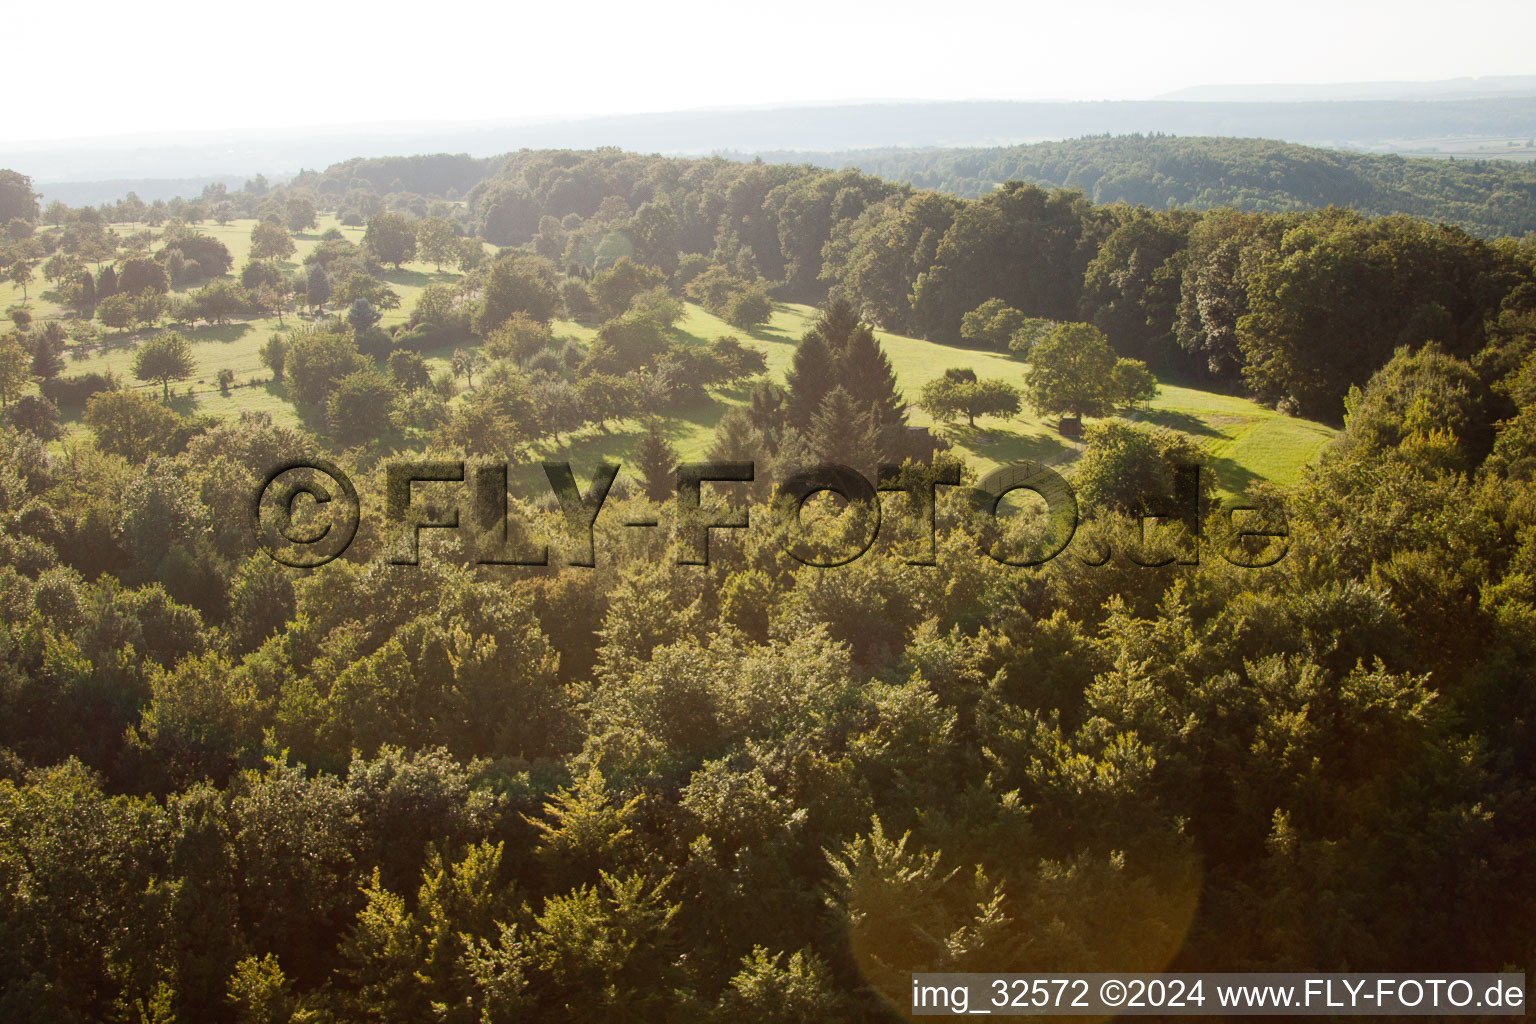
[{"x": 107, "y": 67}]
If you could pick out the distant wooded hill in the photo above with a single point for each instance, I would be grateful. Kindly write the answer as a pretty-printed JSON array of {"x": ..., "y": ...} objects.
[
  {"x": 1377, "y": 125},
  {"x": 1487, "y": 197}
]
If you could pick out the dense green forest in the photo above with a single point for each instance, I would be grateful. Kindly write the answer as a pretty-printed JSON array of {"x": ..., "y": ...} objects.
[
  {"x": 755, "y": 789},
  {"x": 1487, "y": 197}
]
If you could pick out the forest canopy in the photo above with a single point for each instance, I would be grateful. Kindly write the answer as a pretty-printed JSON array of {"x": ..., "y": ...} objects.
[{"x": 635, "y": 787}]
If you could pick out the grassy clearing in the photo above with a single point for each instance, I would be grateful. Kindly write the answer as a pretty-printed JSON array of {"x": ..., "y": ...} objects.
[
  {"x": 233, "y": 346},
  {"x": 1246, "y": 441}
]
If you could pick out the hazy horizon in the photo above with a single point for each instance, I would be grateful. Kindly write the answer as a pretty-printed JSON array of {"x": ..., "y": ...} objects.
[{"x": 300, "y": 65}]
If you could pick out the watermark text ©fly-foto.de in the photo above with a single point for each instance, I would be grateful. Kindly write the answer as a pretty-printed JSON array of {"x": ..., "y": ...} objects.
[{"x": 480, "y": 502}]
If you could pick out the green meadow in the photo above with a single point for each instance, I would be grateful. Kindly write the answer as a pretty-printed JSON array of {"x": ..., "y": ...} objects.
[{"x": 1246, "y": 442}]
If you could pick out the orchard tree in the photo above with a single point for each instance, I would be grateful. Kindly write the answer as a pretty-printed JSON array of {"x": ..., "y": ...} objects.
[
  {"x": 436, "y": 241},
  {"x": 615, "y": 287},
  {"x": 37, "y": 416},
  {"x": 267, "y": 301},
  {"x": 129, "y": 424},
  {"x": 1074, "y": 372},
  {"x": 359, "y": 407},
  {"x": 20, "y": 274},
  {"x": 517, "y": 283},
  {"x": 960, "y": 393},
  {"x": 79, "y": 292},
  {"x": 219, "y": 301},
  {"x": 142, "y": 274},
  {"x": 212, "y": 256},
  {"x": 470, "y": 254},
  {"x": 61, "y": 266},
  {"x": 316, "y": 359},
  {"x": 262, "y": 274},
  {"x": 117, "y": 311},
  {"x": 299, "y": 213},
  {"x": 1129, "y": 465},
  {"x": 162, "y": 359},
  {"x": 150, "y": 308},
  {"x": 520, "y": 338},
  {"x": 366, "y": 286},
  {"x": 409, "y": 370},
  {"x": 1132, "y": 382},
  {"x": 392, "y": 238},
  {"x": 271, "y": 241},
  {"x": 749, "y": 307},
  {"x": 466, "y": 363},
  {"x": 274, "y": 354}
]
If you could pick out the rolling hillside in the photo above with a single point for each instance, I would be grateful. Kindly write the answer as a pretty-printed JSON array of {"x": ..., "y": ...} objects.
[
  {"x": 1487, "y": 197},
  {"x": 1246, "y": 441}
]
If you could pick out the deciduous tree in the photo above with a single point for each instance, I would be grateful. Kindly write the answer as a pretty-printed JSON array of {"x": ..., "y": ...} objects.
[
  {"x": 271, "y": 241},
  {"x": 162, "y": 359},
  {"x": 392, "y": 238},
  {"x": 960, "y": 393},
  {"x": 14, "y": 367}
]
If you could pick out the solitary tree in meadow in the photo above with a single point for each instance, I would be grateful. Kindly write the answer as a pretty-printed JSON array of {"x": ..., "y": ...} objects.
[
  {"x": 21, "y": 275},
  {"x": 1074, "y": 372},
  {"x": 392, "y": 238},
  {"x": 271, "y": 241},
  {"x": 466, "y": 363},
  {"x": 274, "y": 355},
  {"x": 299, "y": 213},
  {"x": 961, "y": 393},
  {"x": 162, "y": 359},
  {"x": 436, "y": 241}
]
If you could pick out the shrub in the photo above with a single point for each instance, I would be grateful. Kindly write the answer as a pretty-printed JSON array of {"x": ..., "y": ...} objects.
[{"x": 74, "y": 391}]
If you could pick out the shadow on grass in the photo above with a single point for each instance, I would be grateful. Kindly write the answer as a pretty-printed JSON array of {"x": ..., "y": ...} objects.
[
  {"x": 220, "y": 332},
  {"x": 311, "y": 417},
  {"x": 688, "y": 337},
  {"x": 1173, "y": 419},
  {"x": 1232, "y": 477},
  {"x": 415, "y": 278},
  {"x": 739, "y": 392},
  {"x": 1009, "y": 446},
  {"x": 706, "y": 414},
  {"x": 583, "y": 450},
  {"x": 768, "y": 332}
]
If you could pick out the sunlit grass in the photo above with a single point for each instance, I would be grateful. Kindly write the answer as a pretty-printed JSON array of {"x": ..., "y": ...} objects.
[{"x": 1246, "y": 441}]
